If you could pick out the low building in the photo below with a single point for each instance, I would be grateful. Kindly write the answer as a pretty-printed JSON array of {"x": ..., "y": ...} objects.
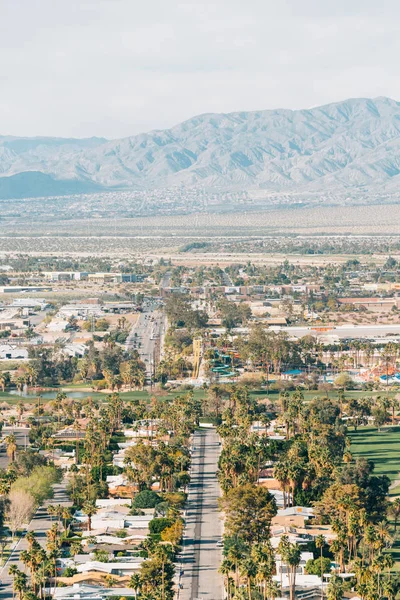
[
  {"x": 65, "y": 275},
  {"x": 122, "y": 569},
  {"x": 8, "y": 352},
  {"x": 84, "y": 591},
  {"x": 32, "y": 303},
  {"x": 109, "y": 502},
  {"x": 75, "y": 350},
  {"x": 18, "y": 289},
  {"x": 112, "y": 277}
]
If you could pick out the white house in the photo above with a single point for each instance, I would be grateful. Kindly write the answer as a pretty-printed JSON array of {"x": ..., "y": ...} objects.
[
  {"x": 75, "y": 350},
  {"x": 125, "y": 568},
  {"x": 305, "y": 556},
  {"x": 30, "y": 303},
  {"x": 8, "y": 352},
  {"x": 109, "y": 502},
  {"x": 84, "y": 591}
]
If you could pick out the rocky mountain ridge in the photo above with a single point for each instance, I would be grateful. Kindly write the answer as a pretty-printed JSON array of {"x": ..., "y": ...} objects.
[{"x": 344, "y": 147}]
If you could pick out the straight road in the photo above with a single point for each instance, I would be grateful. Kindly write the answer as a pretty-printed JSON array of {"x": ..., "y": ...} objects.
[
  {"x": 166, "y": 280},
  {"x": 201, "y": 557},
  {"x": 145, "y": 337},
  {"x": 40, "y": 523},
  {"x": 22, "y": 439}
]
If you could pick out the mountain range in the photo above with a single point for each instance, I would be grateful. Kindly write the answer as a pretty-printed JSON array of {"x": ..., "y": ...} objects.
[{"x": 344, "y": 147}]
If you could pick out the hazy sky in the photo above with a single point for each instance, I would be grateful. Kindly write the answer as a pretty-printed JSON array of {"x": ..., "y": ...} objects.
[{"x": 114, "y": 68}]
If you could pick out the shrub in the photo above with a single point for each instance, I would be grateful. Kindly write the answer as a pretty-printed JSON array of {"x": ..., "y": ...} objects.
[
  {"x": 158, "y": 525},
  {"x": 146, "y": 499},
  {"x": 176, "y": 499},
  {"x": 70, "y": 572},
  {"x": 313, "y": 567},
  {"x": 121, "y": 533}
]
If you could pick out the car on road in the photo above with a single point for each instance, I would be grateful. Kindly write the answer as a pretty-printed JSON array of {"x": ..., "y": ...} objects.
[{"x": 220, "y": 543}]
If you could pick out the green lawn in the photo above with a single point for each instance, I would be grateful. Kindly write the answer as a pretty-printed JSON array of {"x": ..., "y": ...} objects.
[
  {"x": 198, "y": 393},
  {"x": 382, "y": 447}
]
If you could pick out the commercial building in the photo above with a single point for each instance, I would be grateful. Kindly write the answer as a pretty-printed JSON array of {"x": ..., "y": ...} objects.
[
  {"x": 18, "y": 289},
  {"x": 112, "y": 277},
  {"x": 65, "y": 275}
]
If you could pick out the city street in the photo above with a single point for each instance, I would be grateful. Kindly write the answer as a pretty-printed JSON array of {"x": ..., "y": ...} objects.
[
  {"x": 145, "y": 337},
  {"x": 201, "y": 557},
  {"x": 40, "y": 523},
  {"x": 22, "y": 439}
]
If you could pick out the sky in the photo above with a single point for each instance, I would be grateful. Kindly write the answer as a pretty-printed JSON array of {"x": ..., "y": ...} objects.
[{"x": 114, "y": 68}]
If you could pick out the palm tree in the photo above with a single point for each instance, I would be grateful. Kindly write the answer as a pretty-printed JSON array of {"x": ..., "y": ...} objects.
[
  {"x": 393, "y": 405},
  {"x": 66, "y": 516},
  {"x": 272, "y": 590},
  {"x": 13, "y": 570},
  {"x": 335, "y": 588},
  {"x": 248, "y": 569},
  {"x": 388, "y": 589},
  {"x": 11, "y": 446},
  {"x": 290, "y": 554},
  {"x": 4, "y": 487},
  {"x": 52, "y": 511},
  {"x": 225, "y": 569},
  {"x": 89, "y": 509},
  {"x": 32, "y": 375},
  {"x": 59, "y": 399},
  {"x": 320, "y": 543},
  {"x": 383, "y": 534},
  {"x": 135, "y": 583},
  {"x": 235, "y": 555},
  {"x": 21, "y": 410},
  {"x": 110, "y": 581},
  {"x": 394, "y": 511},
  {"x": 75, "y": 548},
  {"x": 3, "y": 381},
  {"x": 20, "y": 583},
  {"x": 163, "y": 555}
]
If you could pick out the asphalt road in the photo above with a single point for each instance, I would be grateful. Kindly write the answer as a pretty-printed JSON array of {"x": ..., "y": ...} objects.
[
  {"x": 166, "y": 280},
  {"x": 201, "y": 557},
  {"x": 22, "y": 438},
  {"x": 40, "y": 523},
  {"x": 145, "y": 337}
]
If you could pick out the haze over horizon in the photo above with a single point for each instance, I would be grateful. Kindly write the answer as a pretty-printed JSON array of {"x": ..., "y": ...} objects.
[{"x": 112, "y": 69}]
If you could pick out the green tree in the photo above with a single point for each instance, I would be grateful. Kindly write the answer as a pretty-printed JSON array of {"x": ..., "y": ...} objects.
[
  {"x": 248, "y": 510},
  {"x": 335, "y": 588}
]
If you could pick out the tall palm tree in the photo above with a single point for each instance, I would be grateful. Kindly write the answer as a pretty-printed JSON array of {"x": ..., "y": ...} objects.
[
  {"x": 335, "y": 588},
  {"x": 226, "y": 569},
  {"x": 248, "y": 569},
  {"x": 235, "y": 555},
  {"x": 11, "y": 446},
  {"x": 3, "y": 381},
  {"x": 163, "y": 556},
  {"x": 135, "y": 584},
  {"x": 13, "y": 570},
  {"x": 394, "y": 511},
  {"x": 272, "y": 590},
  {"x": 20, "y": 584},
  {"x": 320, "y": 543},
  {"x": 21, "y": 410},
  {"x": 89, "y": 509},
  {"x": 59, "y": 400},
  {"x": 290, "y": 554},
  {"x": 4, "y": 487}
]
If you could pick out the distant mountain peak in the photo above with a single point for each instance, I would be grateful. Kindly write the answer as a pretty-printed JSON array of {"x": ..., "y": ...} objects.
[{"x": 338, "y": 147}]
